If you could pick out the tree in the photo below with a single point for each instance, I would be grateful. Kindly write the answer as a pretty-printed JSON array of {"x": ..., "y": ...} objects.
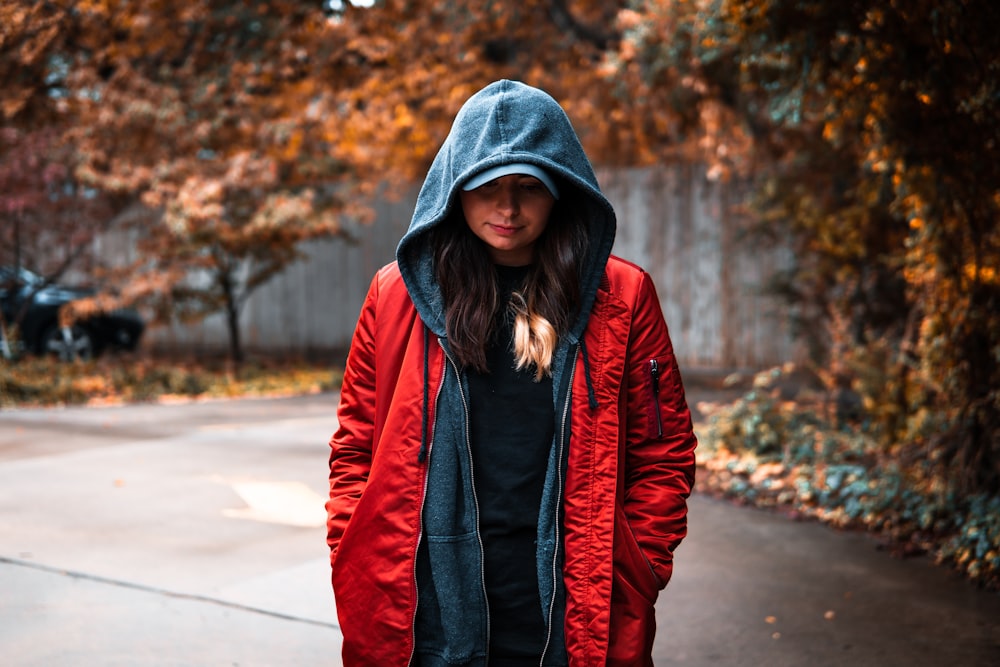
[
  {"x": 209, "y": 113},
  {"x": 216, "y": 119},
  {"x": 254, "y": 126},
  {"x": 873, "y": 128},
  {"x": 407, "y": 67},
  {"x": 47, "y": 218}
]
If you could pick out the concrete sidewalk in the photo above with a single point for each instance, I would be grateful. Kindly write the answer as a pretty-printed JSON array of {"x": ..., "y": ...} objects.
[
  {"x": 49, "y": 617},
  {"x": 190, "y": 535}
]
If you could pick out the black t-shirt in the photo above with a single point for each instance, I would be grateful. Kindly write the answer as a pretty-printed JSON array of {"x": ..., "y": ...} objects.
[{"x": 511, "y": 429}]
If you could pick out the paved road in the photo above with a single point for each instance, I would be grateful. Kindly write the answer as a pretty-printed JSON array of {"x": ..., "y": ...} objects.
[{"x": 193, "y": 535}]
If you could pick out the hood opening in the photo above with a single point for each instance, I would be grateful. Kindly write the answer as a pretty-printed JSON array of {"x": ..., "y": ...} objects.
[{"x": 506, "y": 122}]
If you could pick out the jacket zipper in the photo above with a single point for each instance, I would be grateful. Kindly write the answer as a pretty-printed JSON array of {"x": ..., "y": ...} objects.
[
  {"x": 654, "y": 376},
  {"x": 420, "y": 530},
  {"x": 559, "y": 485}
]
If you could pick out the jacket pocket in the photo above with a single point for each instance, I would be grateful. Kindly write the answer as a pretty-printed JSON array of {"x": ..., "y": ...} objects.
[{"x": 634, "y": 589}]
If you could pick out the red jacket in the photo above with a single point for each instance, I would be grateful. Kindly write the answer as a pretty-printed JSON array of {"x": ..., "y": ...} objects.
[{"x": 630, "y": 470}]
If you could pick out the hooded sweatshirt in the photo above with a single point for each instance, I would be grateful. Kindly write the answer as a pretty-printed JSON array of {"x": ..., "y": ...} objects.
[{"x": 506, "y": 122}]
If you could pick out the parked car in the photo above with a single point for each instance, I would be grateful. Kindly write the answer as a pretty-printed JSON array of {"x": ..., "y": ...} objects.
[{"x": 40, "y": 332}]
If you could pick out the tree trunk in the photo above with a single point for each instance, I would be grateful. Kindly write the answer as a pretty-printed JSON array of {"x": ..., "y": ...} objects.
[{"x": 232, "y": 319}]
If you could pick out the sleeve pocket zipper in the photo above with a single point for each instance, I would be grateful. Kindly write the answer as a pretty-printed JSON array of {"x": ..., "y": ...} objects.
[{"x": 654, "y": 376}]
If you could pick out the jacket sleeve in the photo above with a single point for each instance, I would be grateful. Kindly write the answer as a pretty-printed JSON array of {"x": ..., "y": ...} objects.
[
  {"x": 660, "y": 440},
  {"x": 352, "y": 444}
]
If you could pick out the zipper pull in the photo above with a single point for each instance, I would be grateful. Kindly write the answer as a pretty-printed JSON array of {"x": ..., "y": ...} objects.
[{"x": 654, "y": 376}]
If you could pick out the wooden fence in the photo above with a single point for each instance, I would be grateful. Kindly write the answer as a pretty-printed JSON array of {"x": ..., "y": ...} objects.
[{"x": 672, "y": 221}]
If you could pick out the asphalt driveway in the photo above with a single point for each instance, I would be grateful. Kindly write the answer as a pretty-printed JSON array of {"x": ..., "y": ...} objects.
[{"x": 192, "y": 534}]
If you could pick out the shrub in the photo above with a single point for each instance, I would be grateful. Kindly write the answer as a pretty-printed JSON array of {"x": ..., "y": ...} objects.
[
  {"x": 32, "y": 381},
  {"x": 800, "y": 456}
]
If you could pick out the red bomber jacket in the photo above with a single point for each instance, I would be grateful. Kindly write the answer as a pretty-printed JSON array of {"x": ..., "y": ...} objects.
[{"x": 630, "y": 470}]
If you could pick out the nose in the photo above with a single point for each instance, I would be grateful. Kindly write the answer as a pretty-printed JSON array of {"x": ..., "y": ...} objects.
[{"x": 507, "y": 201}]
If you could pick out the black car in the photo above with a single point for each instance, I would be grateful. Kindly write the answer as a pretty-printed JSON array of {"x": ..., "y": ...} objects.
[{"x": 40, "y": 332}]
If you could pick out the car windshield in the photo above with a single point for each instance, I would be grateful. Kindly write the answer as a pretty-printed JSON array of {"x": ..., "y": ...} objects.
[{"x": 26, "y": 277}]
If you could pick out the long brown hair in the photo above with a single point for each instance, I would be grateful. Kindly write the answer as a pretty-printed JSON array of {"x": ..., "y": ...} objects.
[{"x": 550, "y": 295}]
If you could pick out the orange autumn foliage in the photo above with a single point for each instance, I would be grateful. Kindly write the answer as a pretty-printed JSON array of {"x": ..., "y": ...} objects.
[{"x": 246, "y": 128}]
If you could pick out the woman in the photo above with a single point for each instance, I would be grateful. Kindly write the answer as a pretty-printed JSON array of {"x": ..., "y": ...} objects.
[{"x": 509, "y": 476}]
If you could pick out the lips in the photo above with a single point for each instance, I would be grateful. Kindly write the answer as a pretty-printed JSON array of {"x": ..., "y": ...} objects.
[{"x": 502, "y": 230}]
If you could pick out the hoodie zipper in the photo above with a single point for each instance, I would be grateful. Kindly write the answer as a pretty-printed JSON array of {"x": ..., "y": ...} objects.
[
  {"x": 475, "y": 502},
  {"x": 475, "y": 498},
  {"x": 559, "y": 493},
  {"x": 654, "y": 376},
  {"x": 420, "y": 530}
]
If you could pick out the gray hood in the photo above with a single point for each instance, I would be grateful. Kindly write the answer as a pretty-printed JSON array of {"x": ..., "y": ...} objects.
[{"x": 503, "y": 123}]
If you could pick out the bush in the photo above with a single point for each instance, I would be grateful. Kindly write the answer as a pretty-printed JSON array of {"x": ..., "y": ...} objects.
[
  {"x": 801, "y": 457},
  {"x": 40, "y": 382}
]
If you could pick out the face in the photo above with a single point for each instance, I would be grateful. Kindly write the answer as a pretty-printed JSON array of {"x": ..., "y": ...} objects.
[{"x": 508, "y": 214}]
